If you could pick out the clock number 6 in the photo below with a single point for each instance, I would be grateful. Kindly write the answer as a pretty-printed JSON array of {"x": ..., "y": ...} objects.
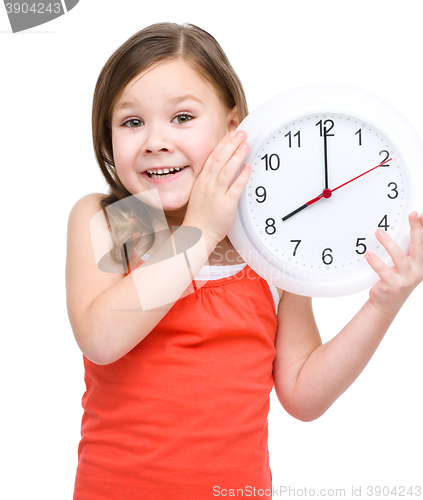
[{"x": 327, "y": 257}]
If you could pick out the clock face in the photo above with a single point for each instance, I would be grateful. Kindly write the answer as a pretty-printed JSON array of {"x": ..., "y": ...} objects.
[{"x": 322, "y": 153}]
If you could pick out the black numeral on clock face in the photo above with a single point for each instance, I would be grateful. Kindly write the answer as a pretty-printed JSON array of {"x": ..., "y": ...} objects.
[
  {"x": 394, "y": 189},
  {"x": 270, "y": 226},
  {"x": 295, "y": 135},
  {"x": 327, "y": 256},
  {"x": 362, "y": 246},
  {"x": 324, "y": 128},
  {"x": 296, "y": 246},
  {"x": 261, "y": 194},
  {"x": 384, "y": 223},
  {"x": 386, "y": 157},
  {"x": 273, "y": 161}
]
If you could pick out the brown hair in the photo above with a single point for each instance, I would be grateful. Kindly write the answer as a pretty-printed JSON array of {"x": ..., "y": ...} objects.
[{"x": 156, "y": 43}]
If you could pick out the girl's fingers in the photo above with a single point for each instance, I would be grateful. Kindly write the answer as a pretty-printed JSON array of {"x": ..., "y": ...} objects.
[
  {"x": 227, "y": 173},
  {"x": 224, "y": 152},
  {"x": 379, "y": 267},
  {"x": 240, "y": 182},
  {"x": 218, "y": 149},
  {"x": 398, "y": 257},
  {"x": 406, "y": 267}
]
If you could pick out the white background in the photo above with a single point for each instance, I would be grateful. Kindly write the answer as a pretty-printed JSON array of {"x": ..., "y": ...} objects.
[{"x": 372, "y": 435}]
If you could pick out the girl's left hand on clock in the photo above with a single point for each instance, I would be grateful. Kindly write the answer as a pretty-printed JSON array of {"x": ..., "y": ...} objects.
[{"x": 396, "y": 283}]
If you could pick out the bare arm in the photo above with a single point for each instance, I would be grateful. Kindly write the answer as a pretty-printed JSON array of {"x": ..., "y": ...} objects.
[
  {"x": 310, "y": 376},
  {"x": 104, "y": 309}
]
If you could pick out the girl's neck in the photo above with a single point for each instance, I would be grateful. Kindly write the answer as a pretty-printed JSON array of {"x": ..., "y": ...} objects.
[{"x": 175, "y": 218}]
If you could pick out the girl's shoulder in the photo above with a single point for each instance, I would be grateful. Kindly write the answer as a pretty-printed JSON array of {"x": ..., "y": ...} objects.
[
  {"x": 88, "y": 204},
  {"x": 88, "y": 231},
  {"x": 84, "y": 211}
]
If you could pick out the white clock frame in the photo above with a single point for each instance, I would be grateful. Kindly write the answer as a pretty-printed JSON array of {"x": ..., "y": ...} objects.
[{"x": 324, "y": 98}]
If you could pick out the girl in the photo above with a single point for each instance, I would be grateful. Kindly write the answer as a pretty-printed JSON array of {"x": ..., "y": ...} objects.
[{"x": 178, "y": 394}]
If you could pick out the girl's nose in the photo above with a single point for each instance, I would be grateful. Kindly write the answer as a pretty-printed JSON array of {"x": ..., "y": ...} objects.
[{"x": 157, "y": 142}]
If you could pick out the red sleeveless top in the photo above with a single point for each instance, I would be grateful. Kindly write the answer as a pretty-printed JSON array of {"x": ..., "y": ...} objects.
[{"x": 184, "y": 414}]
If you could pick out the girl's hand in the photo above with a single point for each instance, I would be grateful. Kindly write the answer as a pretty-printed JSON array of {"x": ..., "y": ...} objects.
[
  {"x": 396, "y": 283},
  {"x": 213, "y": 201}
]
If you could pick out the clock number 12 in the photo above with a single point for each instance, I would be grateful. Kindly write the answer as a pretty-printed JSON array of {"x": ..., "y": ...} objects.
[{"x": 323, "y": 129}]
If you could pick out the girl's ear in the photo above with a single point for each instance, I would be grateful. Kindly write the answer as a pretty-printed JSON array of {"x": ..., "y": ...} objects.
[{"x": 233, "y": 119}]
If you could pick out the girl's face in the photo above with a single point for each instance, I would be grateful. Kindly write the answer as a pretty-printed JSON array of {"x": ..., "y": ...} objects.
[{"x": 167, "y": 117}]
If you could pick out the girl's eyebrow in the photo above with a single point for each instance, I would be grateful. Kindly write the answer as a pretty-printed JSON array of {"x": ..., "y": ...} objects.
[
  {"x": 127, "y": 104},
  {"x": 174, "y": 101},
  {"x": 187, "y": 97}
]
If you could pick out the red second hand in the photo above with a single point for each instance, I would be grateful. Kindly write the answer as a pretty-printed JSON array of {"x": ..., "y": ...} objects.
[{"x": 327, "y": 193}]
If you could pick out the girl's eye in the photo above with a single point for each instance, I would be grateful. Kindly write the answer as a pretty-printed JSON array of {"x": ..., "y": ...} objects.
[
  {"x": 133, "y": 123},
  {"x": 182, "y": 119}
]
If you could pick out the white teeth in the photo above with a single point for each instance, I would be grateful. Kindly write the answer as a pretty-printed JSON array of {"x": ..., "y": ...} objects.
[{"x": 161, "y": 173}]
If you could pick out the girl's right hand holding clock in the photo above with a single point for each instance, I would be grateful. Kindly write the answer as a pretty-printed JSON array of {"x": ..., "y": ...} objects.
[{"x": 214, "y": 197}]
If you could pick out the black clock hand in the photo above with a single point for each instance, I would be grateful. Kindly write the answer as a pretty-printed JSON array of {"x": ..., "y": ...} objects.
[
  {"x": 327, "y": 193},
  {"x": 325, "y": 143}
]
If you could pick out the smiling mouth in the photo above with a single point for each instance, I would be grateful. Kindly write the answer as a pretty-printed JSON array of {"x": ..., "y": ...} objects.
[{"x": 161, "y": 173}]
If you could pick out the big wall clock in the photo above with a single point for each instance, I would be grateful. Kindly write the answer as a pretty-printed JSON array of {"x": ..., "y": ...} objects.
[{"x": 330, "y": 165}]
